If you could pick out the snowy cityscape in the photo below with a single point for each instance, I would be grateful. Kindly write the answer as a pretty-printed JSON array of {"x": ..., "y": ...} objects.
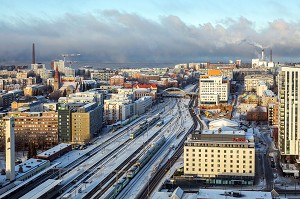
[{"x": 149, "y": 99}]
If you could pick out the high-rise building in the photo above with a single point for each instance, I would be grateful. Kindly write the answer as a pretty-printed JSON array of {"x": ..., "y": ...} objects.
[
  {"x": 213, "y": 89},
  {"x": 289, "y": 116}
]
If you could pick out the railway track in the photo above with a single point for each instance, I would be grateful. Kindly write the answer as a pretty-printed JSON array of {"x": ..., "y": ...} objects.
[{"x": 154, "y": 181}]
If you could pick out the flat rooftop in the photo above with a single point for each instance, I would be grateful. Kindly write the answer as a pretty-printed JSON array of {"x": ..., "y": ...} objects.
[
  {"x": 54, "y": 150},
  {"x": 228, "y": 194}
]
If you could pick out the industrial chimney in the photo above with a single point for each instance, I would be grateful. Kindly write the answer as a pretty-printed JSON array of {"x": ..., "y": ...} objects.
[
  {"x": 33, "y": 54},
  {"x": 263, "y": 54},
  {"x": 271, "y": 58}
]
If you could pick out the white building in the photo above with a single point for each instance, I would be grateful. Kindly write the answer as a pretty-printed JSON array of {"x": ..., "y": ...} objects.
[
  {"x": 142, "y": 105},
  {"x": 213, "y": 89},
  {"x": 116, "y": 110},
  {"x": 60, "y": 64},
  {"x": 289, "y": 113},
  {"x": 261, "y": 88},
  {"x": 84, "y": 97},
  {"x": 10, "y": 148}
]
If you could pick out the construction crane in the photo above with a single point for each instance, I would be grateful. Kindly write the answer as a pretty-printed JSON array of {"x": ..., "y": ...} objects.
[{"x": 69, "y": 55}]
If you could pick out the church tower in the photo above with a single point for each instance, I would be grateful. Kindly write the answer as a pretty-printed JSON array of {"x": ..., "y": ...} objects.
[{"x": 56, "y": 83}]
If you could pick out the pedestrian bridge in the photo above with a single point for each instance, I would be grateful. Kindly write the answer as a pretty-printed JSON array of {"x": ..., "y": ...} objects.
[{"x": 177, "y": 93}]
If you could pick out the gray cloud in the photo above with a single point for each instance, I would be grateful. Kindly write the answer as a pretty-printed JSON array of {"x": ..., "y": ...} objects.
[{"x": 113, "y": 36}]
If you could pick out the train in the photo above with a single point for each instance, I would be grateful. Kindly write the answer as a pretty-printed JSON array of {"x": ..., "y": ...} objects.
[
  {"x": 160, "y": 123},
  {"x": 132, "y": 172},
  {"x": 144, "y": 125}
]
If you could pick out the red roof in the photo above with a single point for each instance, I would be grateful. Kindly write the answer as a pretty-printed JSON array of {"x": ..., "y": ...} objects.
[{"x": 152, "y": 86}]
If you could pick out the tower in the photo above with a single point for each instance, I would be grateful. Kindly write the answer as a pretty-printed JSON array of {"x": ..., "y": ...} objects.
[
  {"x": 289, "y": 116},
  {"x": 56, "y": 84},
  {"x": 10, "y": 148},
  {"x": 33, "y": 54}
]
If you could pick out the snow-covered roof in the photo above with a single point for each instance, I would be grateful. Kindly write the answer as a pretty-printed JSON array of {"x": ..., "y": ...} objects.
[
  {"x": 54, "y": 150},
  {"x": 236, "y": 132},
  {"x": 222, "y": 122},
  {"x": 218, "y": 193},
  {"x": 177, "y": 193}
]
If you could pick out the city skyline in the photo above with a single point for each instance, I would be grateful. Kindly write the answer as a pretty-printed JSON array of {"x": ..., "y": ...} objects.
[{"x": 115, "y": 31}]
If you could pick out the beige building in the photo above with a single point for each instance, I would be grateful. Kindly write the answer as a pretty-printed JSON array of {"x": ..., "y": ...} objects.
[
  {"x": 268, "y": 97},
  {"x": 251, "y": 81},
  {"x": 220, "y": 155},
  {"x": 86, "y": 122}
]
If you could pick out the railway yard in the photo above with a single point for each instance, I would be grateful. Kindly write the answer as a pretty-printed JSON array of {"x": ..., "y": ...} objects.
[{"x": 126, "y": 163}]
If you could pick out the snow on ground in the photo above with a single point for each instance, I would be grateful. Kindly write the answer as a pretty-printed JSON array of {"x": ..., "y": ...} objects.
[
  {"x": 112, "y": 165},
  {"x": 164, "y": 156}
]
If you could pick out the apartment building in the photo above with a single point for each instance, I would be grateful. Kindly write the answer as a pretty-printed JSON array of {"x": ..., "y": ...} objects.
[
  {"x": 38, "y": 127},
  {"x": 102, "y": 74},
  {"x": 273, "y": 113},
  {"x": 289, "y": 117},
  {"x": 213, "y": 89},
  {"x": 268, "y": 97},
  {"x": 86, "y": 123},
  {"x": 220, "y": 157},
  {"x": 252, "y": 81}
]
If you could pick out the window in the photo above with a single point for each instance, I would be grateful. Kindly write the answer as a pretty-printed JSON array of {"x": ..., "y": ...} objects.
[
  {"x": 187, "y": 159},
  {"x": 199, "y": 155},
  {"x": 187, "y": 164}
]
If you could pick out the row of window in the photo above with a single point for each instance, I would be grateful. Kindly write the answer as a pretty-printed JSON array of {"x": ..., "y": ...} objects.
[
  {"x": 219, "y": 156},
  {"x": 218, "y": 165},
  {"x": 212, "y": 160},
  {"x": 219, "y": 170},
  {"x": 219, "y": 151}
]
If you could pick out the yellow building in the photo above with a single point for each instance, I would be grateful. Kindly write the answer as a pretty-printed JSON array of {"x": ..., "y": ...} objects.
[
  {"x": 86, "y": 122},
  {"x": 219, "y": 156}
]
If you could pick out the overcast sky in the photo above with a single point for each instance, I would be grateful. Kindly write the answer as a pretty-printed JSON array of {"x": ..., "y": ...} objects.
[{"x": 149, "y": 31}]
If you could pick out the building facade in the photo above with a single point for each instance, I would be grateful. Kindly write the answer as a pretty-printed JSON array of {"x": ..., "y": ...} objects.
[
  {"x": 86, "y": 123},
  {"x": 37, "y": 127},
  {"x": 252, "y": 81},
  {"x": 213, "y": 90},
  {"x": 289, "y": 117},
  {"x": 220, "y": 156}
]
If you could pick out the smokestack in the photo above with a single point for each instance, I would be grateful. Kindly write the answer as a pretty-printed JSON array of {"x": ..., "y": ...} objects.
[
  {"x": 263, "y": 54},
  {"x": 33, "y": 54},
  {"x": 271, "y": 58}
]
